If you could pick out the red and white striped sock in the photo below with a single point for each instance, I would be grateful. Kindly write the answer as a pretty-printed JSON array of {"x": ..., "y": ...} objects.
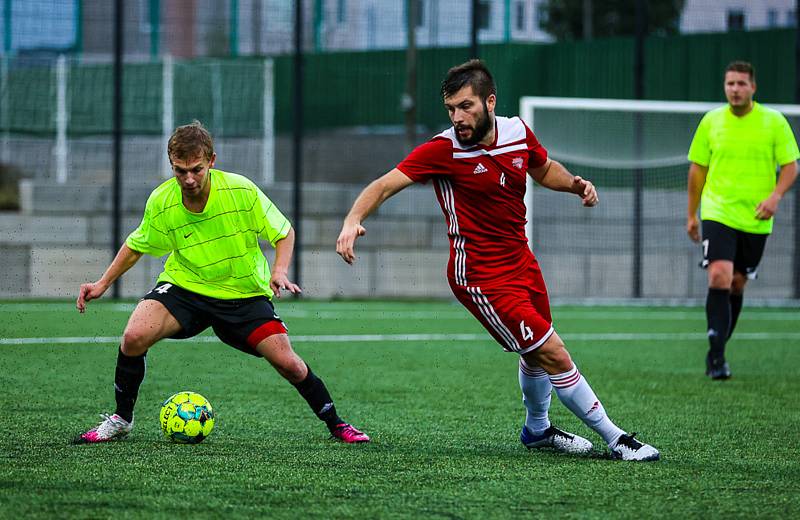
[
  {"x": 576, "y": 394},
  {"x": 536, "y": 395}
]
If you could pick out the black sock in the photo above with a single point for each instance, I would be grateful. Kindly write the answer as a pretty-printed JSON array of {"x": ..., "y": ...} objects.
[
  {"x": 314, "y": 392},
  {"x": 736, "y": 307},
  {"x": 128, "y": 378},
  {"x": 718, "y": 316}
]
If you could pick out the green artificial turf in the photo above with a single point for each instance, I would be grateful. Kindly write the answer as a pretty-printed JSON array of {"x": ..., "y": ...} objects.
[{"x": 444, "y": 416}]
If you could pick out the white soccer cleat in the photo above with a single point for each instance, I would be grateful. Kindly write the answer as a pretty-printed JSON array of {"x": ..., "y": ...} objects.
[
  {"x": 111, "y": 428},
  {"x": 556, "y": 439},
  {"x": 628, "y": 448}
]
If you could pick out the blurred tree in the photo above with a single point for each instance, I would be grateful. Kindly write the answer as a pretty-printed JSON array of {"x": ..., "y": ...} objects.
[{"x": 564, "y": 19}]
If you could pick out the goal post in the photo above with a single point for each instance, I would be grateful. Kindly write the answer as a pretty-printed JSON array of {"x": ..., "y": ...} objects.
[{"x": 634, "y": 243}]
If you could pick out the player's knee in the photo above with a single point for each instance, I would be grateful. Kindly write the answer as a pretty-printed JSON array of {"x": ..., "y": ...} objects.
[
  {"x": 135, "y": 342},
  {"x": 719, "y": 279},
  {"x": 553, "y": 356}
]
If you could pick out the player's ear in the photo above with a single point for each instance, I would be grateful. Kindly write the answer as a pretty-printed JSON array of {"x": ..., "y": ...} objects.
[
  {"x": 213, "y": 159},
  {"x": 491, "y": 101}
]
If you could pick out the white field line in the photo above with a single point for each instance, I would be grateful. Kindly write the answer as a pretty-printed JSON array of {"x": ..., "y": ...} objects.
[
  {"x": 456, "y": 313},
  {"x": 367, "y": 338}
]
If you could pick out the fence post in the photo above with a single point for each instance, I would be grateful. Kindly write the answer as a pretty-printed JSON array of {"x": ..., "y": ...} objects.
[
  {"x": 796, "y": 194},
  {"x": 167, "y": 110},
  {"x": 5, "y": 121},
  {"x": 61, "y": 120},
  {"x": 268, "y": 115}
]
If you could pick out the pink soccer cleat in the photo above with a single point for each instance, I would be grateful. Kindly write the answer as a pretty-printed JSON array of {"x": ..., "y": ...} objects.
[
  {"x": 111, "y": 428},
  {"x": 347, "y": 433}
]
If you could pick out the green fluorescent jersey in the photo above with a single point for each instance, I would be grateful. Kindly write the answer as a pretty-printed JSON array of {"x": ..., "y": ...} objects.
[
  {"x": 742, "y": 154},
  {"x": 214, "y": 253}
]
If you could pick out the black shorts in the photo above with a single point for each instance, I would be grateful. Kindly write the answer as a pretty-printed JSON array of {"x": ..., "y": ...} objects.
[
  {"x": 721, "y": 242},
  {"x": 241, "y": 323}
]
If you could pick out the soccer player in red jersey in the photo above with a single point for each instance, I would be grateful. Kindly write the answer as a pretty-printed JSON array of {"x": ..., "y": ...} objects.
[{"x": 479, "y": 167}]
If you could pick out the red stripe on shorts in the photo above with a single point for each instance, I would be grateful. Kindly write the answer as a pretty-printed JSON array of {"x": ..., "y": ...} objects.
[{"x": 266, "y": 330}]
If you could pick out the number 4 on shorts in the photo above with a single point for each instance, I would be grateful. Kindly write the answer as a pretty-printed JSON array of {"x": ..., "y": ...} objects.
[
  {"x": 163, "y": 289},
  {"x": 527, "y": 333}
]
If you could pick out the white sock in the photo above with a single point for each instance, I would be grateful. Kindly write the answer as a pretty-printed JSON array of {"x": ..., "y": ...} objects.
[
  {"x": 536, "y": 393},
  {"x": 576, "y": 394}
]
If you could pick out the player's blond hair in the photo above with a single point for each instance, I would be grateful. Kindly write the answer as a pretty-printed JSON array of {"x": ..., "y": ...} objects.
[{"x": 190, "y": 141}]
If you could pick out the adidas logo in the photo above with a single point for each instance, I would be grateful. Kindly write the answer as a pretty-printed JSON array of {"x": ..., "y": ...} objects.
[{"x": 479, "y": 169}]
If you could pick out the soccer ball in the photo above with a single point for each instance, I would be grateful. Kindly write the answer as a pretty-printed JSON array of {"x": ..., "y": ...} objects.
[{"x": 186, "y": 418}]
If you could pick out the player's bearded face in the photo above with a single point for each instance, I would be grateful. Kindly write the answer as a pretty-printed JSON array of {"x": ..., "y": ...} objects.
[{"x": 469, "y": 135}]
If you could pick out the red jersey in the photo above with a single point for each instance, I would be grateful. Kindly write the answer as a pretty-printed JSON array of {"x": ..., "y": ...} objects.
[{"x": 481, "y": 190}]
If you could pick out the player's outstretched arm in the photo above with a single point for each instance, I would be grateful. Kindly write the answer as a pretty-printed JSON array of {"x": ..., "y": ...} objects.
[
  {"x": 553, "y": 175},
  {"x": 368, "y": 201},
  {"x": 697, "y": 179},
  {"x": 279, "y": 278},
  {"x": 125, "y": 259},
  {"x": 768, "y": 207}
]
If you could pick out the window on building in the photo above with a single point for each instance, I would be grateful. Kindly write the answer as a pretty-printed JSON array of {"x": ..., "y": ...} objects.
[
  {"x": 735, "y": 20},
  {"x": 791, "y": 18},
  {"x": 420, "y": 6},
  {"x": 341, "y": 11},
  {"x": 772, "y": 18},
  {"x": 484, "y": 12},
  {"x": 539, "y": 14},
  {"x": 520, "y": 16}
]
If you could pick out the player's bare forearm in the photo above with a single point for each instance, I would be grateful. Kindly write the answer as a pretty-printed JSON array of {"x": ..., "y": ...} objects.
[
  {"x": 284, "y": 249},
  {"x": 554, "y": 176},
  {"x": 279, "y": 277},
  {"x": 786, "y": 178},
  {"x": 368, "y": 201},
  {"x": 696, "y": 181},
  {"x": 375, "y": 194},
  {"x": 124, "y": 260},
  {"x": 768, "y": 207}
]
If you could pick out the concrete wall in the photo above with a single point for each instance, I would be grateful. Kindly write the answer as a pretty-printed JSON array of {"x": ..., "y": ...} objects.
[{"x": 61, "y": 239}]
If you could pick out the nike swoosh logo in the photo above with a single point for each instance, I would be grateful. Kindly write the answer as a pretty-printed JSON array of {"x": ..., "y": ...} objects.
[{"x": 187, "y": 235}]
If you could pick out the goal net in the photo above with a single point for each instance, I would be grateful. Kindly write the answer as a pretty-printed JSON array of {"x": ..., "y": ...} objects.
[{"x": 634, "y": 243}]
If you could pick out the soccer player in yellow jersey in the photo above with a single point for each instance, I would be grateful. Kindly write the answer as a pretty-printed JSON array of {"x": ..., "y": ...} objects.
[
  {"x": 209, "y": 222},
  {"x": 734, "y": 156}
]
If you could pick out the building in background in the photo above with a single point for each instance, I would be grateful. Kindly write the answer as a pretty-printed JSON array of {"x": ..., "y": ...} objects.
[
  {"x": 193, "y": 28},
  {"x": 735, "y": 15},
  {"x": 196, "y": 28}
]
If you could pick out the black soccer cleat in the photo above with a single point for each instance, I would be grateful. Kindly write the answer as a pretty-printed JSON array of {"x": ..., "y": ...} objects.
[{"x": 717, "y": 368}]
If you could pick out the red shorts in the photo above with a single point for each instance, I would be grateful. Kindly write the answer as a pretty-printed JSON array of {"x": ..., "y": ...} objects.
[{"x": 516, "y": 313}]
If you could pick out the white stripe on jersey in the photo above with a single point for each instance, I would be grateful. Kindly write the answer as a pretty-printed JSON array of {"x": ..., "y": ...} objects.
[
  {"x": 491, "y": 316},
  {"x": 496, "y": 151},
  {"x": 509, "y": 130},
  {"x": 460, "y": 257}
]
